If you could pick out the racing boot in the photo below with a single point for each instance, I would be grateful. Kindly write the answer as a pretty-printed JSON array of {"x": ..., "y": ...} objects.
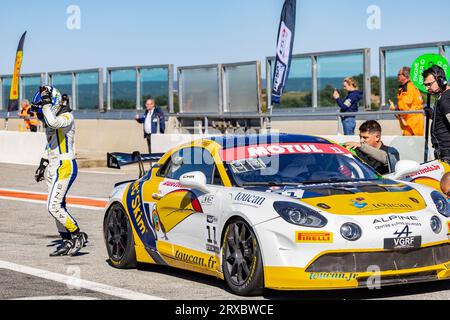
[
  {"x": 77, "y": 242},
  {"x": 63, "y": 249},
  {"x": 85, "y": 238},
  {"x": 68, "y": 236}
]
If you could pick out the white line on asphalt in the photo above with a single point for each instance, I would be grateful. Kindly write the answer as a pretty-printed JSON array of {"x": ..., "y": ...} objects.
[
  {"x": 45, "y": 202},
  {"x": 103, "y": 172},
  {"x": 89, "y": 285},
  {"x": 58, "y": 298}
]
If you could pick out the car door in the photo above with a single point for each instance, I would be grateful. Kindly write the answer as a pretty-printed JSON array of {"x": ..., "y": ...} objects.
[{"x": 186, "y": 217}]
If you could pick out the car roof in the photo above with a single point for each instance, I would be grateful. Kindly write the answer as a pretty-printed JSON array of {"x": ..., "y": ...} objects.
[{"x": 234, "y": 141}]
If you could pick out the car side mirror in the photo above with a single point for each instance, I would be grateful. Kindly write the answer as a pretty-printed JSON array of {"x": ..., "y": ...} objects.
[
  {"x": 194, "y": 180},
  {"x": 405, "y": 168}
]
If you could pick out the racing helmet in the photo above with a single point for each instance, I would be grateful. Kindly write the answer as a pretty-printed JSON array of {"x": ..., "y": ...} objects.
[{"x": 56, "y": 98}]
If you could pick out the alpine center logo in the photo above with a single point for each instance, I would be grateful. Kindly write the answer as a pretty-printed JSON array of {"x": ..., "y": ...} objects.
[{"x": 359, "y": 203}]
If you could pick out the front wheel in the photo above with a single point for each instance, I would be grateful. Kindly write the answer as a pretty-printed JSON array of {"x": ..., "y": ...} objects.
[
  {"x": 119, "y": 238},
  {"x": 241, "y": 259}
]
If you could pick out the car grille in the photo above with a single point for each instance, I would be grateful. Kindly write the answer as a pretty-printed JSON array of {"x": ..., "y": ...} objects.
[
  {"x": 383, "y": 261},
  {"x": 397, "y": 279}
]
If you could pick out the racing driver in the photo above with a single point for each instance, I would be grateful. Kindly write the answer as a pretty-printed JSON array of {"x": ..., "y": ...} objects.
[{"x": 60, "y": 166}]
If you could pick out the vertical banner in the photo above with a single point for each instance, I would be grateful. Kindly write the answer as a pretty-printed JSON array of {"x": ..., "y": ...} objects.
[
  {"x": 14, "y": 93},
  {"x": 285, "y": 43}
]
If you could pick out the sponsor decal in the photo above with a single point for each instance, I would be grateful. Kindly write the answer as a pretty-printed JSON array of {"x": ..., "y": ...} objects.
[
  {"x": 332, "y": 275},
  {"x": 262, "y": 150},
  {"x": 211, "y": 219},
  {"x": 391, "y": 205},
  {"x": 396, "y": 221},
  {"x": 403, "y": 240},
  {"x": 155, "y": 220},
  {"x": 208, "y": 199},
  {"x": 313, "y": 237},
  {"x": 136, "y": 205},
  {"x": 359, "y": 203},
  {"x": 172, "y": 184},
  {"x": 448, "y": 226},
  {"x": 425, "y": 170},
  {"x": 414, "y": 200},
  {"x": 323, "y": 206},
  {"x": 201, "y": 261},
  {"x": 249, "y": 198},
  {"x": 212, "y": 248},
  {"x": 395, "y": 218}
]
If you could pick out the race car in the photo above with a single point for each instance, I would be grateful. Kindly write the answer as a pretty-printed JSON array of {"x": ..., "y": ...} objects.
[
  {"x": 430, "y": 173},
  {"x": 279, "y": 211}
]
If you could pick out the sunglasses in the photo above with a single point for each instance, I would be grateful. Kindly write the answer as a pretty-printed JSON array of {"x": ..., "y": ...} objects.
[{"x": 428, "y": 84}]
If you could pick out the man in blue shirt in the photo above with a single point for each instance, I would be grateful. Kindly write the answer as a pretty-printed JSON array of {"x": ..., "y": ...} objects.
[
  {"x": 152, "y": 119},
  {"x": 350, "y": 104}
]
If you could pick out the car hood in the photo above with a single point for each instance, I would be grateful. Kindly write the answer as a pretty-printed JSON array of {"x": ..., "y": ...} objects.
[{"x": 362, "y": 198}]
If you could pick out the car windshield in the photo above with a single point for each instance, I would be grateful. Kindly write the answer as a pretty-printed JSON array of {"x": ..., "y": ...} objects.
[{"x": 333, "y": 164}]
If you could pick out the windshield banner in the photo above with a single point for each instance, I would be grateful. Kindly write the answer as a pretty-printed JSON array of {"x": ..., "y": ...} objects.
[{"x": 263, "y": 150}]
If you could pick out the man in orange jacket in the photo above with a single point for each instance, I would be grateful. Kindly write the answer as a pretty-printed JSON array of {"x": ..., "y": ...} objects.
[
  {"x": 29, "y": 118},
  {"x": 408, "y": 99}
]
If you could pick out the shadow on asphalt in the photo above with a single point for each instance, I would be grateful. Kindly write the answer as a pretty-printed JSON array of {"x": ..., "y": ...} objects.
[{"x": 395, "y": 291}]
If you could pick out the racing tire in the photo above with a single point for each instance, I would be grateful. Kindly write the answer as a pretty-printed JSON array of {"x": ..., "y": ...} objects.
[
  {"x": 242, "y": 263},
  {"x": 119, "y": 238}
]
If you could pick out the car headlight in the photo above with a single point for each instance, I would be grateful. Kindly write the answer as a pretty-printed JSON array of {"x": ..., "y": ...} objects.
[
  {"x": 435, "y": 224},
  {"x": 299, "y": 215},
  {"x": 441, "y": 203},
  {"x": 351, "y": 231}
]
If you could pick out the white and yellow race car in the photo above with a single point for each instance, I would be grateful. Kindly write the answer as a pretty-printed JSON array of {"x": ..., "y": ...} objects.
[{"x": 286, "y": 212}]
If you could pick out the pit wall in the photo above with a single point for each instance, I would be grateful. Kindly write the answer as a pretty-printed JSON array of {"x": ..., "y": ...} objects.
[{"x": 94, "y": 138}]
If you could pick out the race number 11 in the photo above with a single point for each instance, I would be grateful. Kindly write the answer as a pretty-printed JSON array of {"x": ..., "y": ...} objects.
[{"x": 209, "y": 235}]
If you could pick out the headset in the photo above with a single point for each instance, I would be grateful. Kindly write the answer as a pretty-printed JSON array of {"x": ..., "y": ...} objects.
[{"x": 439, "y": 75}]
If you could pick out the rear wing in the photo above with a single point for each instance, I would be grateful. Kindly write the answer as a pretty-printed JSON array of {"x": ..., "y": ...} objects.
[{"x": 118, "y": 159}]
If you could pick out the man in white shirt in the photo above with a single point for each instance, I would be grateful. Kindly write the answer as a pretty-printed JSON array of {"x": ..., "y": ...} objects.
[{"x": 152, "y": 118}]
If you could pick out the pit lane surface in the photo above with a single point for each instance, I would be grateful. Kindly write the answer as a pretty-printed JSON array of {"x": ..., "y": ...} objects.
[{"x": 28, "y": 234}]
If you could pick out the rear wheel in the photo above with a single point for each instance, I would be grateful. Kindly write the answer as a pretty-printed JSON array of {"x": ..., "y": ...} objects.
[
  {"x": 241, "y": 259},
  {"x": 119, "y": 238}
]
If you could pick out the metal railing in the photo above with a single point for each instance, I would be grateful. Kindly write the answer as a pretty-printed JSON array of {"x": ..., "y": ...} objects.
[{"x": 383, "y": 51}]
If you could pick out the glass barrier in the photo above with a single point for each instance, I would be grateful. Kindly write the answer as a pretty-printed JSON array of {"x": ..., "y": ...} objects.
[
  {"x": 241, "y": 88},
  {"x": 199, "y": 90},
  {"x": 123, "y": 89},
  {"x": 396, "y": 59},
  {"x": 30, "y": 84},
  {"x": 447, "y": 52},
  {"x": 87, "y": 91},
  {"x": 62, "y": 82},
  {"x": 332, "y": 70},
  {"x": 154, "y": 82},
  {"x": 298, "y": 89},
  {"x": 6, "y": 88}
]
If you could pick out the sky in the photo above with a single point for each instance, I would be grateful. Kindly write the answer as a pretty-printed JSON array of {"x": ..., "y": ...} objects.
[{"x": 197, "y": 32}]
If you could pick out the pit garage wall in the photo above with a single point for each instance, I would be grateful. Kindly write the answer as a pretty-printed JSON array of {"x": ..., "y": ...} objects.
[{"x": 94, "y": 138}]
